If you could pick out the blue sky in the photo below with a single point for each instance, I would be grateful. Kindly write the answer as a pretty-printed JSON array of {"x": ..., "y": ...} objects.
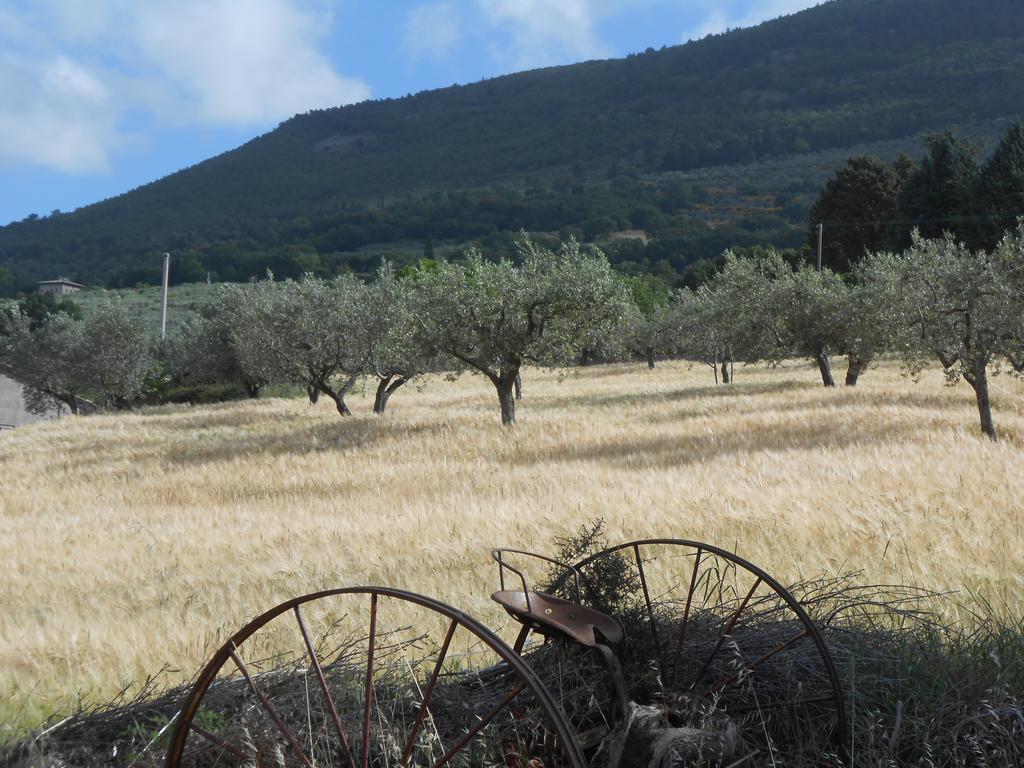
[{"x": 100, "y": 96}]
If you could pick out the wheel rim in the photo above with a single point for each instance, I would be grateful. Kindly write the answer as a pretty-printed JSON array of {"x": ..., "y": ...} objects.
[
  {"x": 711, "y": 634},
  {"x": 367, "y": 676}
]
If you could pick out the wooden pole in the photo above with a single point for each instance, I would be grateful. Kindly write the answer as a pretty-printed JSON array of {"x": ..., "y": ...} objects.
[
  {"x": 163, "y": 308},
  {"x": 821, "y": 227}
]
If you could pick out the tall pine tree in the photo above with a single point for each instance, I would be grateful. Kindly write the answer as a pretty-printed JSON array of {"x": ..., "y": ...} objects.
[
  {"x": 856, "y": 207},
  {"x": 1000, "y": 189},
  {"x": 939, "y": 197}
]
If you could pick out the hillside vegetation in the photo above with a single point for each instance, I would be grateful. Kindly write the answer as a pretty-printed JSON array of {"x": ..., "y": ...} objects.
[
  {"x": 136, "y": 543},
  {"x": 558, "y": 148}
]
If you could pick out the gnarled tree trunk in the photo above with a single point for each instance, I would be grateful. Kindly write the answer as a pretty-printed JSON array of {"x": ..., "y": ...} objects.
[
  {"x": 649, "y": 354},
  {"x": 504, "y": 383},
  {"x": 386, "y": 387},
  {"x": 252, "y": 389},
  {"x": 855, "y": 367},
  {"x": 314, "y": 394},
  {"x": 978, "y": 379},
  {"x": 338, "y": 398},
  {"x": 519, "y": 386},
  {"x": 826, "y": 370},
  {"x": 726, "y": 371}
]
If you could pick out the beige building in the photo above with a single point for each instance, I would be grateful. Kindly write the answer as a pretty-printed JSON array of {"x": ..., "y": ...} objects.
[
  {"x": 12, "y": 406},
  {"x": 60, "y": 286}
]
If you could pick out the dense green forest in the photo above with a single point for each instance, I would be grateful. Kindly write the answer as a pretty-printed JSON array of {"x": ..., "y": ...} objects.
[{"x": 595, "y": 149}]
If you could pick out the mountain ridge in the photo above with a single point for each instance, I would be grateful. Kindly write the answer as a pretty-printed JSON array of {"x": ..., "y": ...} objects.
[{"x": 841, "y": 73}]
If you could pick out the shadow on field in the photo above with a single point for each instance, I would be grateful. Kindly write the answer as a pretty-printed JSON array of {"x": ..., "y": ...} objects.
[
  {"x": 196, "y": 444},
  {"x": 820, "y": 400},
  {"x": 641, "y": 451},
  {"x": 689, "y": 393}
]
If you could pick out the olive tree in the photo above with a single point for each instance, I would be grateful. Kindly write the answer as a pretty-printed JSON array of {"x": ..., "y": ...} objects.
[
  {"x": 649, "y": 328},
  {"x": 695, "y": 317},
  {"x": 397, "y": 354},
  {"x": 961, "y": 306},
  {"x": 45, "y": 361},
  {"x": 867, "y": 322},
  {"x": 313, "y": 333},
  {"x": 765, "y": 309},
  {"x": 747, "y": 310},
  {"x": 812, "y": 319},
  {"x": 494, "y": 317},
  {"x": 95, "y": 363},
  {"x": 203, "y": 351}
]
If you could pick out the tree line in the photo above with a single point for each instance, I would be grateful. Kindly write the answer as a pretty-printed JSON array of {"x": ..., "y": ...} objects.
[
  {"x": 873, "y": 205},
  {"x": 937, "y": 300}
]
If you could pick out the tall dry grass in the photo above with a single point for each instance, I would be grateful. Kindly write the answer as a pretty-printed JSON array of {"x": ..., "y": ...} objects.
[{"x": 131, "y": 542}]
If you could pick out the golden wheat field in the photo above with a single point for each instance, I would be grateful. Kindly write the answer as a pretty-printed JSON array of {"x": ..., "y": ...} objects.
[{"x": 137, "y": 542}]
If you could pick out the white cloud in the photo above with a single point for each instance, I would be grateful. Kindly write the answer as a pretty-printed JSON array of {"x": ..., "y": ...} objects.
[
  {"x": 545, "y": 32},
  {"x": 720, "y": 15},
  {"x": 69, "y": 85},
  {"x": 715, "y": 21},
  {"x": 431, "y": 30},
  {"x": 243, "y": 63},
  {"x": 54, "y": 113}
]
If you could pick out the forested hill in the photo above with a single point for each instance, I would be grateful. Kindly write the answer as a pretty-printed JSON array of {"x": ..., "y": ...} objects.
[{"x": 326, "y": 184}]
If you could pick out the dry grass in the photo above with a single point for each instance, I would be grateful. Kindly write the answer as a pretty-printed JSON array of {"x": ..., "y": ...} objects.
[{"x": 134, "y": 541}]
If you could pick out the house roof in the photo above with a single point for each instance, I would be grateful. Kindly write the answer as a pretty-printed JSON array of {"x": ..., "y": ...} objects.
[{"x": 61, "y": 281}]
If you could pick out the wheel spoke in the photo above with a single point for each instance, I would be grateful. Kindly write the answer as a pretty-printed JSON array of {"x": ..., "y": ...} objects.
[
  {"x": 725, "y": 632},
  {"x": 368, "y": 699},
  {"x": 481, "y": 724},
  {"x": 686, "y": 616},
  {"x": 323, "y": 687},
  {"x": 285, "y": 731},
  {"x": 341, "y": 638},
  {"x": 725, "y": 629},
  {"x": 754, "y": 664},
  {"x": 428, "y": 693},
  {"x": 521, "y": 638},
  {"x": 225, "y": 745},
  {"x": 650, "y": 609}
]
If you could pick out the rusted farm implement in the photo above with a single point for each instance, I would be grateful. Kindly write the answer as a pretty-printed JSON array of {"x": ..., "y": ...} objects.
[{"x": 656, "y": 652}]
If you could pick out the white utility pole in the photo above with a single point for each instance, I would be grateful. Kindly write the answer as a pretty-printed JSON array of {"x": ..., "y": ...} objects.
[
  {"x": 820, "y": 228},
  {"x": 163, "y": 309}
]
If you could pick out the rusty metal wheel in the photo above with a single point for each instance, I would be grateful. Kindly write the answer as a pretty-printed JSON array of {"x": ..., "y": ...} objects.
[
  {"x": 715, "y": 643},
  {"x": 369, "y": 676}
]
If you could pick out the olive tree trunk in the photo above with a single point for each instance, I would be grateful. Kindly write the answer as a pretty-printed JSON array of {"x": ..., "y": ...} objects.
[
  {"x": 726, "y": 372},
  {"x": 386, "y": 387},
  {"x": 856, "y": 366},
  {"x": 978, "y": 380},
  {"x": 826, "y": 370},
  {"x": 519, "y": 387},
  {"x": 504, "y": 383},
  {"x": 649, "y": 354},
  {"x": 314, "y": 394},
  {"x": 338, "y": 398}
]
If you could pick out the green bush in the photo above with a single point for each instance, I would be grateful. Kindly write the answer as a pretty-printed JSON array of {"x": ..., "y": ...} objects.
[{"x": 203, "y": 393}]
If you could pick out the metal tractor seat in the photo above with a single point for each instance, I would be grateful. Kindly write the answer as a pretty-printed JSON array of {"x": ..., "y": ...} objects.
[
  {"x": 548, "y": 614},
  {"x": 556, "y": 617}
]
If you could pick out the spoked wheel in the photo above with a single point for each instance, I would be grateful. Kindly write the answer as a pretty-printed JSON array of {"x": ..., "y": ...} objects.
[
  {"x": 369, "y": 676},
  {"x": 720, "y": 646}
]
